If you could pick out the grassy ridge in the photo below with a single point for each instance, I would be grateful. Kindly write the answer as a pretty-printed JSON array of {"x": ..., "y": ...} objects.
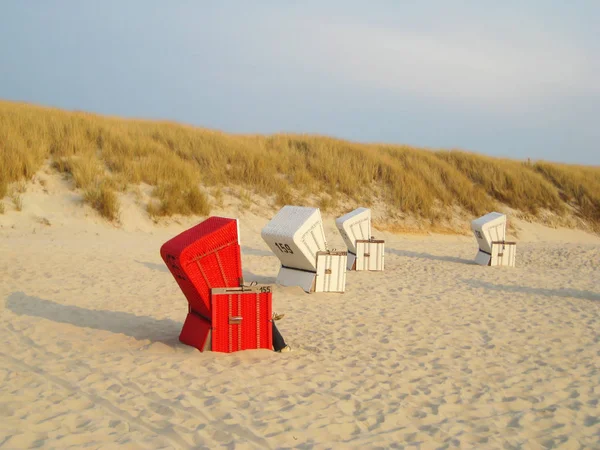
[
  {"x": 105, "y": 154},
  {"x": 578, "y": 186}
]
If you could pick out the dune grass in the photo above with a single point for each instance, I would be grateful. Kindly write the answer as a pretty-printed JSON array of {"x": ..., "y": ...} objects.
[
  {"x": 510, "y": 182},
  {"x": 103, "y": 154},
  {"x": 578, "y": 186},
  {"x": 103, "y": 199}
]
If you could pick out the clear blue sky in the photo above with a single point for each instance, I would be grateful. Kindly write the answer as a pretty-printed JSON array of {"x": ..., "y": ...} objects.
[{"x": 510, "y": 78}]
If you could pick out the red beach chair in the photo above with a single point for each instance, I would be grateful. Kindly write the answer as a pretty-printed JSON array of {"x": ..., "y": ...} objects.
[{"x": 207, "y": 265}]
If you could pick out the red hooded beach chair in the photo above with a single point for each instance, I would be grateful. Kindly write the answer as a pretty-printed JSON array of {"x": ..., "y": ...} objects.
[{"x": 223, "y": 315}]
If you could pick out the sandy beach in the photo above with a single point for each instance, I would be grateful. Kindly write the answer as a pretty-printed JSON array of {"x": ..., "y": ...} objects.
[{"x": 435, "y": 352}]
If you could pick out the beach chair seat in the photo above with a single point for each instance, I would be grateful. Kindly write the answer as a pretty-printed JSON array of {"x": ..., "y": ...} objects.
[{"x": 241, "y": 319}]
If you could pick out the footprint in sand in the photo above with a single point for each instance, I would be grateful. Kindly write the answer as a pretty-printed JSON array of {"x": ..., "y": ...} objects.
[{"x": 161, "y": 409}]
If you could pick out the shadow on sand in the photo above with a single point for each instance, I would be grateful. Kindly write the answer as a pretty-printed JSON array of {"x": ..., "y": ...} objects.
[
  {"x": 567, "y": 293},
  {"x": 165, "y": 331},
  {"x": 249, "y": 277},
  {"x": 153, "y": 266},
  {"x": 430, "y": 256},
  {"x": 255, "y": 252}
]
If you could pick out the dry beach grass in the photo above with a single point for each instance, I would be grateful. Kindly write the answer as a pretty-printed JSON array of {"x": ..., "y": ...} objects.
[{"x": 110, "y": 154}]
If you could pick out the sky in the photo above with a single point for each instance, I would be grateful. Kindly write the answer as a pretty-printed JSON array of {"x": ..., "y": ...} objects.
[{"x": 516, "y": 79}]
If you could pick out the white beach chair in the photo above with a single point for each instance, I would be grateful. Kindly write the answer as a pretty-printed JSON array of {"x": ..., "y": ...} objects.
[
  {"x": 490, "y": 232},
  {"x": 364, "y": 252},
  {"x": 297, "y": 238}
]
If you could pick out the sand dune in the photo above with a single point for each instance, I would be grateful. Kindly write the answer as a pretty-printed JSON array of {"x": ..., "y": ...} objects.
[{"x": 435, "y": 352}]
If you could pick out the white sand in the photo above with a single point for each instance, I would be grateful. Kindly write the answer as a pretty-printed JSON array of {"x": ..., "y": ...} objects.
[{"x": 433, "y": 353}]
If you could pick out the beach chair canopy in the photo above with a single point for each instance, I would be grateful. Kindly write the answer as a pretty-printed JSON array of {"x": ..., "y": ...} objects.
[
  {"x": 489, "y": 228},
  {"x": 295, "y": 235},
  {"x": 354, "y": 226},
  {"x": 204, "y": 257}
]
